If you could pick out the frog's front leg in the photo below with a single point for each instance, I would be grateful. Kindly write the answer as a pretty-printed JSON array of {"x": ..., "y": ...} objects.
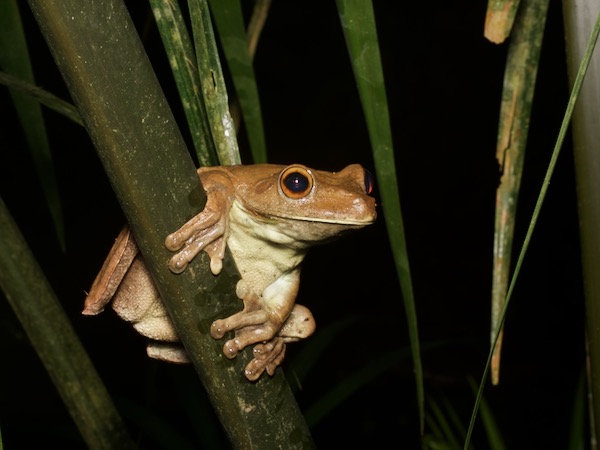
[{"x": 205, "y": 231}]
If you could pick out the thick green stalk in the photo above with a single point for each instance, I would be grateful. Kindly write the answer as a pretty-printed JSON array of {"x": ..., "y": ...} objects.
[
  {"x": 56, "y": 343},
  {"x": 111, "y": 81}
]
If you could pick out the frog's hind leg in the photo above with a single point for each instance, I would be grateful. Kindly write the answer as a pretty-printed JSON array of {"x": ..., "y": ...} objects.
[
  {"x": 168, "y": 352},
  {"x": 116, "y": 265},
  {"x": 250, "y": 328}
]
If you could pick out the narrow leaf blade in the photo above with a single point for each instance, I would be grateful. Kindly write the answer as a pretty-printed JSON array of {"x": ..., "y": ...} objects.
[
  {"x": 358, "y": 22},
  {"x": 14, "y": 58},
  {"x": 230, "y": 27}
]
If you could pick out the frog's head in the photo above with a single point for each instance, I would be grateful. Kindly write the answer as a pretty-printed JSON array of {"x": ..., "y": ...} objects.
[{"x": 312, "y": 205}]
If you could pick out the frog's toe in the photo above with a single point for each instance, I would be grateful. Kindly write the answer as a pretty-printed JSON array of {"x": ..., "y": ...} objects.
[
  {"x": 267, "y": 357},
  {"x": 247, "y": 336},
  {"x": 268, "y": 350},
  {"x": 251, "y": 327},
  {"x": 232, "y": 347},
  {"x": 219, "y": 328}
]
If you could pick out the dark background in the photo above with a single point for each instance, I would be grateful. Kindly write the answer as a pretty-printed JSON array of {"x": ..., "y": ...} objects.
[{"x": 444, "y": 84}]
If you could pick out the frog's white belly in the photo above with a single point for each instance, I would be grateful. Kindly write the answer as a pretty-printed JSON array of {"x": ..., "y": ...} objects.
[{"x": 262, "y": 251}]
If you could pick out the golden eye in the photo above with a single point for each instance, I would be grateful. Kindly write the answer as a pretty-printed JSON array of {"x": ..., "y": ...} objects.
[{"x": 296, "y": 182}]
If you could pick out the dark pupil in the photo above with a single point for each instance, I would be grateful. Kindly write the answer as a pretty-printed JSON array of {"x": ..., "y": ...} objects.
[{"x": 296, "y": 182}]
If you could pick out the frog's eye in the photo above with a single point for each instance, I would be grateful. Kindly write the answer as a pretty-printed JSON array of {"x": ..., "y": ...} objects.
[
  {"x": 369, "y": 183},
  {"x": 296, "y": 182}
]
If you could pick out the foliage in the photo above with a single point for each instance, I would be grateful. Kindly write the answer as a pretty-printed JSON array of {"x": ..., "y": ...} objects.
[{"x": 326, "y": 87}]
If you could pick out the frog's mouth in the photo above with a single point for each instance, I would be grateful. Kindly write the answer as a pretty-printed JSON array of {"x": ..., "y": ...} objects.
[
  {"x": 360, "y": 213},
  {"x": 358, "y": 223},
  {"x": 308, "y": 229},
  {"x": 337, "y": 222},
  {"x": 293, "y": 231}
]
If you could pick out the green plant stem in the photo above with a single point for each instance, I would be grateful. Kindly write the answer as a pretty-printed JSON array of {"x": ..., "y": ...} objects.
[
  {"x": 112, "y": 83},
  {"x": 56, "y": 343}
]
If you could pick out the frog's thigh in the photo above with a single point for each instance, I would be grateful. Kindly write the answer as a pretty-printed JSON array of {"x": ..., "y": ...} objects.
[{"x": 138, "y": 301}]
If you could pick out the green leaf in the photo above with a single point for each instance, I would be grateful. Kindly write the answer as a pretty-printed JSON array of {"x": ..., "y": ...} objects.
[
  {"x": 213, "y": 84},
  {"x": 56, "y": 343},
  {"x": 582, "y": 28},
  {"x": 229, "y": 20},
  {"x": 575, "y": 91},
  {"x": 517, "y": 99},
  {"x": 579, "y": 416},
  {"x": 182, "y": 59},
  {"x": 492, "y": 431},
  {"x": 445, "y": 424},
  {"x": 358, "y": 22},
  {"x": 14, "y": 59},
  {"x": 42, "y": 96}
]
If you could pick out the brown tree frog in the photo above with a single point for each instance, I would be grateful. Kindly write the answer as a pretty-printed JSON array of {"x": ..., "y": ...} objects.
[{"x": 268, "y": 215}]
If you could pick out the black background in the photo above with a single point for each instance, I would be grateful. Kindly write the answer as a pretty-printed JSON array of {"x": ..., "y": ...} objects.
[{"x": 444, "y": 84}]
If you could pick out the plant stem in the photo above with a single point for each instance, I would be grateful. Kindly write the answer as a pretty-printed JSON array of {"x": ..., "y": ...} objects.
[
  {"x": 56, "y": 343},
  {"x": 112, "y": 82}
]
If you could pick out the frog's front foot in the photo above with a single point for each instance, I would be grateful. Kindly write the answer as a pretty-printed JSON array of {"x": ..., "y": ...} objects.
[{"x": 206, "y": 231}]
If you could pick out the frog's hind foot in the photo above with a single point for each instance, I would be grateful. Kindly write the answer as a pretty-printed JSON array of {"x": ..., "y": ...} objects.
[
  {"x": 168, "y": 352},
  {"x": 267, "y": 356}
]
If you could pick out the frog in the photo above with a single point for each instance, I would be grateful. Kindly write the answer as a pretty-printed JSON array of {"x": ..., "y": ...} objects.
[{"x": 268, "y": 216}]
